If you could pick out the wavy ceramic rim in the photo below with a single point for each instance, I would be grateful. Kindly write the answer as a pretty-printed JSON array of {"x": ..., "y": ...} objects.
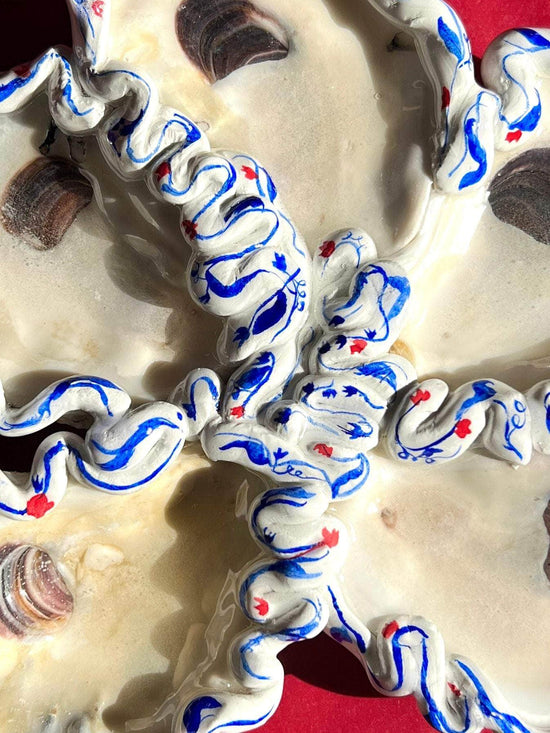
[{"x": 294, "y": 595}]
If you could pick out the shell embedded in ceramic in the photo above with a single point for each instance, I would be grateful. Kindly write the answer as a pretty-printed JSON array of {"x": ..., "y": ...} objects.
[
  {"x": 520, "y": 193},
  {"x": 111, "y": 310},
  {"x": 42, "y": 200},
  {"x": 329, "y": 172},
  {"x": 35, "y": 598},
  {"x": 350, "y": 375},
  {"x": 145, "y": 574},
  {"x": 221, "y": 37}
]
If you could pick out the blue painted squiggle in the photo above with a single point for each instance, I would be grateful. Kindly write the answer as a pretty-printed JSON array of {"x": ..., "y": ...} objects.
[
  {"x": 359, "y": 639},
  {"x": 406, "y": 656},
  {"x": 312, "y": 436},
  {"x": 54, "y": 402},
  {"x": 124, "y": 449},
  {"x": 426, "y": 426},
  {"x": 506, "y": 723}
]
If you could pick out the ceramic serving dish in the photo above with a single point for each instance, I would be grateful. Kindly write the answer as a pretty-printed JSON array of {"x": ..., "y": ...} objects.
[{"x": 373, "y": 401}]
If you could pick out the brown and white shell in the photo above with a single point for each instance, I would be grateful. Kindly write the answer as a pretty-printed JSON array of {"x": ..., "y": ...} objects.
[
  {"x": 220, "y": 36},
  {"x": 520, "y": 193},
  {"x": 34, "y": 597},
  {"x": 42, "y": 200}
]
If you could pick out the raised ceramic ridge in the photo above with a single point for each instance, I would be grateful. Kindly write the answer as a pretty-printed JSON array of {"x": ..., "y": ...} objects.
[
  {"x": 472, "y": 120},
  {"x": 294, "y": 596},
  {"x": 122, "y": 451}
]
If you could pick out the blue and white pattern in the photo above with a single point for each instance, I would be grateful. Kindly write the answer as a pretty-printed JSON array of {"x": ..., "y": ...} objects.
[
  {"x": 249, "y": 264},
  {"x": 510, "y": 67},
  {"x": 123, "y": 450},
  {"x": 329, "y": 419},
  {"x": 311, "y": 399},
  {"x": 405, "y": 655},
  {"x": 474, "y": 120},
  {"x": 295, "y": 439},
  {"x": 243, "y": 245},
  {"x": 312, "y": 441},
  {"x": 538, "y": 400},
  {"x": 430, "y": 427}
]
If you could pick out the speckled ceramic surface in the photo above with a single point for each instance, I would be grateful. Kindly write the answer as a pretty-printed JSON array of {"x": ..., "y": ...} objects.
[{"x": 393, "y": 507}]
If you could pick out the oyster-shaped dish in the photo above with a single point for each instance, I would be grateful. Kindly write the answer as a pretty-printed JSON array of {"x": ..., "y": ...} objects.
[{"x": 402, "y": 513}]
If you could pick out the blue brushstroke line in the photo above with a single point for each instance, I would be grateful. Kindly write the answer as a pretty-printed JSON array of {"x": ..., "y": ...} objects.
[
  {"x": 477, "y": 154},
  {"x": 435, "y": 715},
  {"x": 124, "y": 453},
  {"x": 11, "y": 510},
  {"x": 426, "y": 451},
  {"x": 250, "y": 202},
  {"x": 512, "y": 424},
  {"x": 361, "y": 644},
  {"x": 250, "y": 645},
  {"x": 67, "y": 91},
  {"x": 450, "y": 39},
  {"x": 241, "y": 723},
  {"x": 294, "y": 634},
  {"x": 41, "y": 485},
  {"x": 6, "y": 90},
  {"x": 507, "y": 723},
  {"x": 361, "y": 471},
  {"x": 289, "y": 568},
  {"x": 111, "y": 487},
  {"x": 82, "y": 12},
  {"x": 297, "y": 497},
  {"x": 483, "y": 390},
  {"x": 533, "y": 37},
  {"x": 191, "y": 407},
  {"x": 45, "y": 407},
  {"x": 253, "y": 379},
  {"x": 193, "y": 713},
  {"x": 547, "y": 414}
]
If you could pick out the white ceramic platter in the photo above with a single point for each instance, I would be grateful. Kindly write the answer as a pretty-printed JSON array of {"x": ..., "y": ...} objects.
[{"x": 400, "y": 512}]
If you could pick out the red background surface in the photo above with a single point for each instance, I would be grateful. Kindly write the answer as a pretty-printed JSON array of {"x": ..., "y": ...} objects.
[{"x": 326, "y": 690}]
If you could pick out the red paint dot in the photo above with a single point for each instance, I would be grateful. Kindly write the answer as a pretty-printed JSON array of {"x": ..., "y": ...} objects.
[
  {"x": 237, "y": 411},
  {"x": 331, "y": 537},
  {"x": 462, "y": 428},
  {"x": 327, "y": 248},
  {"x": 323, "y": 449},
  {"x": 190, "y": 228},
  {"x": 262, "y": 606},
  {"x": 164, "y": 169},
  {"x": 421, "y": 395},
  {"x": 97, "y": 7},
  {"x": 445, "y": 98},
  {"x": 454, "y": 689},
  {"x": 38, "y": 505},
  {"x": 514, "y": 136},
  {"x": 249, "y": 172},
  {"x": 390, "y": 629},
  {"x": 357, "y": 346}
]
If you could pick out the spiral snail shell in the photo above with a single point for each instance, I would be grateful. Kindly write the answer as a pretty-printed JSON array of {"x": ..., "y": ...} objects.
[{"x": 34, "y": 597}]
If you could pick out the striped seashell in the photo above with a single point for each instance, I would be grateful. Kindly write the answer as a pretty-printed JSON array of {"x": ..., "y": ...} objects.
[
  {"x": 42, "y": 200},
  {"x": 520, "y": 193},
  {"x": 220, "y": 36},
  {"x": 35, "y": 599}
]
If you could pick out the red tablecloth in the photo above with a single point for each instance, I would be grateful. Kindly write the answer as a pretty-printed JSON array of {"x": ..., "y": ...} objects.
[{"x": 326, "y": 690}]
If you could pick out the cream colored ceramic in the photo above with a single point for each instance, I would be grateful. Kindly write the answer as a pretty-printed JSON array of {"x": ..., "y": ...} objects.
[{"x": 335, "y": 347}]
